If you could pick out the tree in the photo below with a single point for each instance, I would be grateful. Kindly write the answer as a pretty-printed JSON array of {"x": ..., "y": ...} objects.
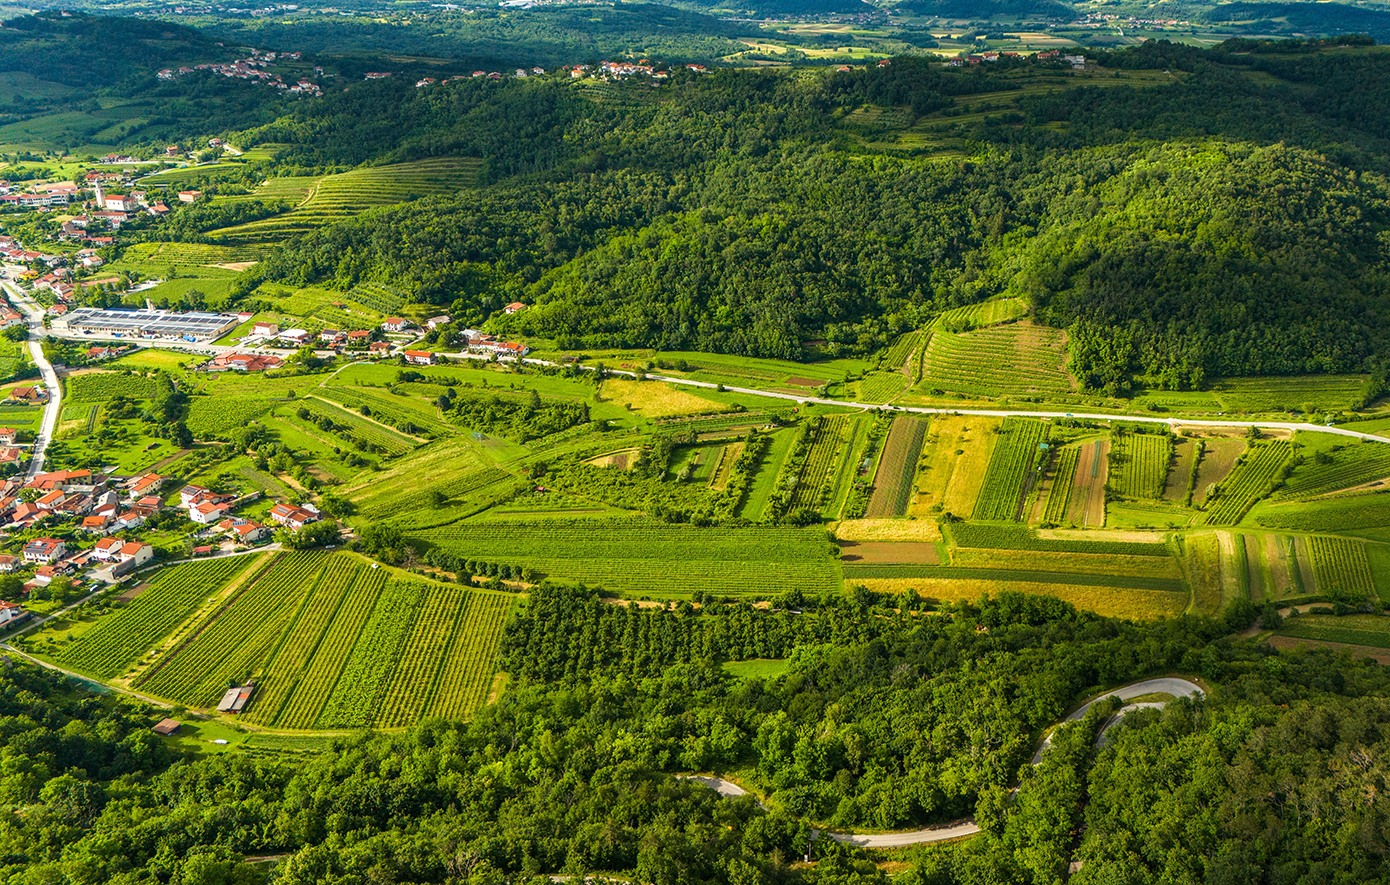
[{"x": 316, "y": 534}]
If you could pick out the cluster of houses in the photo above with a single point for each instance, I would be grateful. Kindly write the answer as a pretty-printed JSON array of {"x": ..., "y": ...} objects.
[
  {"x": 243, "y": 362},
  {"x": 103, "y": 504},
  {"x": 11, "y": 251},
  {"x": 253, "y": 69},
  {"x": 1078, "y": 62},
  {"x": 481, "y": 342}
]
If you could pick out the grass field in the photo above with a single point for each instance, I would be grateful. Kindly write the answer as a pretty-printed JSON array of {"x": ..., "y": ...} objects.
[
  {"x": 954, "y": 459},
  {"x": 1117, "y": 602},
  {"x": 1370, "y": 630},
  {"x": 766, "y": 480},
  {"x": 644, "y": 557}
]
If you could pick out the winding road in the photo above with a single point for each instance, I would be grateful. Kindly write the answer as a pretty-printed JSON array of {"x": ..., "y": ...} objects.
[
  {"x": 33, "y": 314},
  {"x": 959, "y": 829}
]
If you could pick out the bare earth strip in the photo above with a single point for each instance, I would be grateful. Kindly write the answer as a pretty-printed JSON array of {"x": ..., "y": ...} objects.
[{"x": 872, "y": 552}]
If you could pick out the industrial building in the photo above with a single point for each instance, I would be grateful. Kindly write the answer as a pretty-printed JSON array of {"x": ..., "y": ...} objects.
[{"x": 144, "y": 323}]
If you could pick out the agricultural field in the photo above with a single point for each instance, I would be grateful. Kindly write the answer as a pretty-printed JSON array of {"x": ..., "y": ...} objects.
[
  {"x": 1341, "y": 567},
  {"x": 113, "y": 643},
  {"x": 896, "y": 469},
  {"x": 1360, "y": 466},
  {"x": 1181, "y": 476},
  {"x": 1011, "y": 472},
  {"x": 333, "y": 642},
  {"x": 1014, "y": 359},
  {"x": 647, "y": 558},
  {"x": 1304, "y": 395},
  {"x": 335, "y": 197},
  {"x": 1217, "y": 457},
  {"x": 1140, "y": 465},
  {"x": 1057, "y": 487},
  {"x": 813, "y": 487},
  {"x": 955, "y": 456},
  {"x": 1086, "y": 502},
  {"x": 1252, "y": 478},
  {"x": 1365, "y": 630}
]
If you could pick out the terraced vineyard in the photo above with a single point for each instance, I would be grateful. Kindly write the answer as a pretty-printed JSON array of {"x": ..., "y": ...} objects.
[
  {"x": 119, "y": 639},
  {"x": 198, "y": 254},
  {"x": 383, "y": 299},
  {"x": 986, "y": 313},
  {"x": 1011, "y": 469},
  {"x": 1250, "y": 480},
  {"x": 897, "y": 355},
  {"x": 1141, "y": 465},
  {"x": 1350, "y": 467},
  {"x": 1016, "y": 358},
  {"x": 1341, "y": 567},
  {"x": 647, "y": 557},
  {"x": 341, "y": 196},
  {"x": 1063, "y": 475}
]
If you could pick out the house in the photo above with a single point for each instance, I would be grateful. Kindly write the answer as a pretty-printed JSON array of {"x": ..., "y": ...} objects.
[
  {"x": 246, "y": 532},
  {"x": 513, "y": 307},
  {"x": 265, "y": 330},
  {"x": 189, "y": 196},
  {"x": 394, "y": 324},
  {"x": 435, "y": 322},
  {"x": 234, "y": 701},
  {"x": 12, "y": 613},
  {"x": 44, "y": 550},
  {"x": 379, "y": 348},
  {"x": 189, "y": 494},
  {"x": 209, "y": 512},
  {"x": 8, "y": 563},
  {"x": 501, "y": 348},
  {"x": 29, "y": 394},
  {"x": 52, "y": 500},
  {"x": 295, "y": 337},
  {"x": 166, "y": 727},
  {"x": 26, "y": 514},
  {"x": 292, "y": 517},
  {"x": 332, "y": 336},
  {"x": 95, "y": 524},
  {"x": 359, "y": 336},
  {"x": 130, "y": 519},
  {"x": 119, "y": 203},
  {"x": 107, "y": 549},
  {"x": 419, "y": 357},
  {"x": 10, "y": 455},
  {"x": 44, "y": 575},
  {"x": 143, "y": 485},
  {"x": 135, "y": 552},
  {"x": 243, "y": 362}
]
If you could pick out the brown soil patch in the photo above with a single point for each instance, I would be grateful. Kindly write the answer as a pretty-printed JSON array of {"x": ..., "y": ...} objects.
[
  {"x": 1379, "y": 655},
  {"x": 799, "y": 381},
  {"x": 134, "y": 592},
  {"x": 237, "y": 266},
  {"x": 871, "y": 552},
  {"x": 1218, "y": 457}
]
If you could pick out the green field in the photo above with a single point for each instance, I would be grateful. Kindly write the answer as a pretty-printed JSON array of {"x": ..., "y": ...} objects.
[
  {"x": 1253, "y": 478},
  {"x": 1140, "y": 465},
  {"x": 647, "y": 558},
  {"x": 1018, "y": 358},
  {"x": 1368, "y": 630},
  {"x": 1011, "y": 471}
]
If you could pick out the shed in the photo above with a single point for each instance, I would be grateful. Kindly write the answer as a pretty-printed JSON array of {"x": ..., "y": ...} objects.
[{"x": 167, "y": 727}]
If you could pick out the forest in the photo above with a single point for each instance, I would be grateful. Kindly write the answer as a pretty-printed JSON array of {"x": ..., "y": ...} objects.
[{"x": 883, "y": 719}]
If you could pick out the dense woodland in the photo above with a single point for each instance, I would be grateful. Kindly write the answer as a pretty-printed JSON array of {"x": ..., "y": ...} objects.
[
  {"x": 1210, "y": 227},
  {"x": 883, "y": 720}
]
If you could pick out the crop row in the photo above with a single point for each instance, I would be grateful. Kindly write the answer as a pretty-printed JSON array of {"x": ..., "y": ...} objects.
[
  {"x": 466, "y": 673},
  {"x": 1141, "y": 464},
  {"x": 897, "y": 355},
  {"x": 1063, "y": 476},
  {"x": 238, "y": 637},
  {"x": 354, "y": 698},
  {"x": 283, "y": 671},
  {"x": 1340, "y": 566},
  {"x": 1017, "y": 537},
  {"x": 897, "y": 469},
  {"x": 880, "y": 387},
  {"x": 1009, "y": 474},
  {"x": 378, "y": 298},
  {"x": 324, "y": 667},
  {"x": 1338, "y": 470},
  {"x": 741, "y": 577},
  {"x": 1250, "y": 480},
  {"x": 995, "y": 360},
  {"x": 410, "y": 416},
  {"x": 119, "y": 639},
  {"x": 414, "y": 681},
  {"x": 210, "y": 416},
  {"x": 824, "y": 453}
]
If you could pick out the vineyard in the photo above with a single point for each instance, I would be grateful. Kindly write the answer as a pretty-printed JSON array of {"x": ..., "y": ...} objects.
[
  {"x": 1017, "y": 358},
  {"x": 896, "y": 357},
  {"x": 1251, "y": 479},
  {"x": 880, "y": 387},
  {"x": 1141, "y": 465},
  {"x": 382, "y": 299},
  {"x": 341, "y": 196},
  {"x": 232, "y": 644},
  {"x": 1352, "y": 466},
  {"x": 373, "y": 658},
  {"x": 99, "y": 387},
  {"x": 1010, "y": 474},
  {"x": 1064, "y": 473},
  {"x": 1341, "y": 567},
  {"x": 410, "y": 416},
  {"x": 986, "y": 313},
  {"x": 119, "y": 639},
  {"x": 1339, "y": 515},
  {"x": 647, "y": 557},
  {"x": 824, "y": 455},
  {"x": 182, "y": 254},
  {"x": 897, "y": 469}
]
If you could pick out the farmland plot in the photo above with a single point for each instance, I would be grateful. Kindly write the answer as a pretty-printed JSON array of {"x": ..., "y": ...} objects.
[
  {"x": 1087, "y": 502},
  {"x": 1011, "y": 473},
  {"x": 1141, "y": 465},
  {"x": 897, "y": 468},
  {"x": 1180, "y": 476},
  {"x": 1249, "y": 481},
  {"x": 378, "y": 648},
  {"x": 1013, "y": 359},
  {"x": 1338, "y": 470},
  {"x": 1341, "y": 567},
  {"x": 811, "y": 486},
  {"x": 1063, "y": 476},
  {"x": 955, "y": 457}
]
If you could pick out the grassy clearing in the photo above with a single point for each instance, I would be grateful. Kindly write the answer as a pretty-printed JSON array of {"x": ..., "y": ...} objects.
[
  {"x": 655, "y": 399},
  {"x": 766, "y": 480},
  {"x": 758, "y": 668},
  {"x": 953, "y": 464}
]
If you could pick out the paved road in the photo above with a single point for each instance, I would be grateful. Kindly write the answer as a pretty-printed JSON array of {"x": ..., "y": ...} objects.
[
  {"x": 34, "y": 314},
  {"x": 967, "y": 827},
  {"x": 1145, "y": 418}
]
